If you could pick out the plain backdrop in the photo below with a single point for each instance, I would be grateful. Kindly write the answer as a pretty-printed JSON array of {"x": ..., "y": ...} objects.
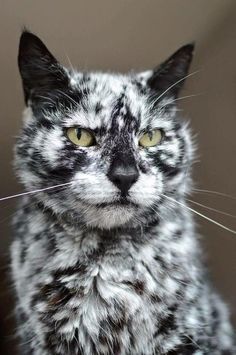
[{"x": 134, "y": 34}]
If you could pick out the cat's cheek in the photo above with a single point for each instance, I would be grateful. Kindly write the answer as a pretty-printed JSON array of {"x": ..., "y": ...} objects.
[
  {"x": 52, "y": 146},
  {"x": 93, "y": 187},
  {"x": 29, "y": 179},
  {"x": 147, "y": 190},
  {"x": 180, "y": 181}
]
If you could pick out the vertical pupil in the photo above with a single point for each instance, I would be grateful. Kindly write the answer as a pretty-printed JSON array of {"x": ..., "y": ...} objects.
[
  {"x": 150, "y": 135},
  {"x": 78, "y": 133}
]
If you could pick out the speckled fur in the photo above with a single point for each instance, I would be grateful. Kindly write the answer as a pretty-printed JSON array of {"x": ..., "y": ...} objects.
[{"x": 94, "y": 276}]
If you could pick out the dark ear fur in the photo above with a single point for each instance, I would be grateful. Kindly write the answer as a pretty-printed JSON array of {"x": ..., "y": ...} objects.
[
  {"x": 39, "y": 70},
  {"x": 171, "y": 74}
]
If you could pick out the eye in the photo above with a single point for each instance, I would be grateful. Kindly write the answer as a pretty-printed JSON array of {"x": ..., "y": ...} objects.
[
  {"x": 150, "y": 139},
  {"x": 81, "y": 137}
]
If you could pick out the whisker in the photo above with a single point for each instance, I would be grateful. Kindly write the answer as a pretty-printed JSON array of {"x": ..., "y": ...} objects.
[
  {"x": 176, "y": 83},
  {"x": 48, "y": 99},
  {"x": 214, "y": 192},
  {"x": 211, "y": 208},
  {"x": 33, "y": 192},
  {"x": 32, "y": 204},
  {"x": 69, "y": 97},
  {"x": 200, "y": 214},
  {"x": 193, "y": 341},
  {"x": 70, "y": 64},
  {"x": 180, "y": 98}
]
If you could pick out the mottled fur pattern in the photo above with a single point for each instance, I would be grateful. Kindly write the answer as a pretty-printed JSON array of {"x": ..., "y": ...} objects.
[{"x": 96, "y": 274}]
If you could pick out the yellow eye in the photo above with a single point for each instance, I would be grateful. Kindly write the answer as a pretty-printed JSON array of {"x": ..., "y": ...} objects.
[
  {"x": 80, "y": 137},
  {"x": 150, "y": 139}
]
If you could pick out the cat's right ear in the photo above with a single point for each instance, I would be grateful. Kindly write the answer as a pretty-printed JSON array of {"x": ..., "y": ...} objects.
[{"x": 39, "y": 69}]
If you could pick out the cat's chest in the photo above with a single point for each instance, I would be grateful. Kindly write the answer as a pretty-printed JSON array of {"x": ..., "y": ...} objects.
[
  {"x": 103, "y": 285},
  {"x": 102, "y": 302}
]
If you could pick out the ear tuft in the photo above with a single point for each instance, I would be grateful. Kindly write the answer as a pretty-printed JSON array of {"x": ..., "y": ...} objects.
[
  {"x": 171, "y": 74},
  {"x": 39, "y": 69}
]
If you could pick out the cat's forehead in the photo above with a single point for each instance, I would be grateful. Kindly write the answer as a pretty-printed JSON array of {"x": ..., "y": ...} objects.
[
  {"x": 104, "y": 90},
  {"x": 110, "y": 97},
  {"x": 103, "y": 83}
]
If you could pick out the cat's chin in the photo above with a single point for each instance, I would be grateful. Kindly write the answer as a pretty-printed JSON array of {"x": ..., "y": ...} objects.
[{"x": 110, "y": 216}]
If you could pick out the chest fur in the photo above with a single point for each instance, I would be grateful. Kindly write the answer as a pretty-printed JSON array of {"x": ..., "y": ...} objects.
[{"x": 102, "y": 306}]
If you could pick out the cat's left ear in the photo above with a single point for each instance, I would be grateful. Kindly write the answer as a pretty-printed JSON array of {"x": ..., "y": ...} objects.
[
  {"x": 40, "y": 71},
  {"x": 169, "y": 77}
]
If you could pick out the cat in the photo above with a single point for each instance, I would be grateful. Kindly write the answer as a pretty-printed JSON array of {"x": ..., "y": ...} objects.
[{"x": 106, "y": 258}]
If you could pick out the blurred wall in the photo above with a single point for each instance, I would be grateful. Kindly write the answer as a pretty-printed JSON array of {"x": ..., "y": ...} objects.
[
  {"x": 119, "y": 36},
  {"x": 213, "y": 116}
]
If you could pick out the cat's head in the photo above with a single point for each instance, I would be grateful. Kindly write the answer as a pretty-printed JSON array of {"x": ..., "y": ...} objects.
[{"x": 115, "y": 137}]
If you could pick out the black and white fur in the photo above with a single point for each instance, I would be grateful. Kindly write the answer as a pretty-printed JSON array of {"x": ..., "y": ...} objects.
[{"x": 96, "y": 273}]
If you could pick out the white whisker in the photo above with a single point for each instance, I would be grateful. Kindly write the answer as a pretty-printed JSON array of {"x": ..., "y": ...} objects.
[
  {"x": 214, "y": 192},
  {"x": 211, "y": 208},
  {"x": 33, "y": 192},
  {"x": 200, "y": 214},
  {"x": 69, "y": 97},
  {"x": 176, "y": 83},
  {"x": 70, "y": 64},
  {"x": 180, "y": 98},
  {"x": 48, "y": 99}
]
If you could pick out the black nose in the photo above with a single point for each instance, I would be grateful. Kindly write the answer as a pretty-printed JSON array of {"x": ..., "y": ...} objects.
[{"x": 123, "y": 176}]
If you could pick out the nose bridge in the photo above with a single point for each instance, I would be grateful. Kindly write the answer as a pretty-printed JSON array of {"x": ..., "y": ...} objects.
[
  {"x": 123, "y": 171},
  {"x": 122, "y": 152}
]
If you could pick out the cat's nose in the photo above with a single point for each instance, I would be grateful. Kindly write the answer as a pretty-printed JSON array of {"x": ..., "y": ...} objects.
[{"x": 123, "y": 176}]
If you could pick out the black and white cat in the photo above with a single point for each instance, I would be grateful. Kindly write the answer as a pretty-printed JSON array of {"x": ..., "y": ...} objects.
[{"x": 108, "y": 261}]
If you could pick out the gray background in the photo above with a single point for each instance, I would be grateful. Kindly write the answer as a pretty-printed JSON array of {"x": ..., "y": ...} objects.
[{"x": 134, "y": 34}]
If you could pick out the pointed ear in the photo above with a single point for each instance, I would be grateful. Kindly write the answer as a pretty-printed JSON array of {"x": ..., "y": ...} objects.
[
  {"x": 39, "y": 70},
  {"x": 170, "y": 75}
]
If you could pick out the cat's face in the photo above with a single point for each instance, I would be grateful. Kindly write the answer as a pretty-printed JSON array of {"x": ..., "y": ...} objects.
[{"x": 116, "y": 138}]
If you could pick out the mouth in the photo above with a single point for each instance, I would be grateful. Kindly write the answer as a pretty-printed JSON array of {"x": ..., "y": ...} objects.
[
  {"x": 112, "y": 213},
  {"x": 121, "y": 202}
]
